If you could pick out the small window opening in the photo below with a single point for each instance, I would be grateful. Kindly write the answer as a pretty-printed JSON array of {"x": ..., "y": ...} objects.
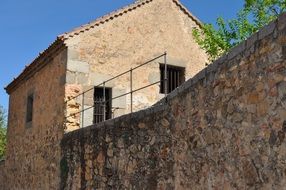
[
  {"x": 30, "y": 102},
  {"x": 100, "y": 106},
  {"x": 175, "y": 77}
]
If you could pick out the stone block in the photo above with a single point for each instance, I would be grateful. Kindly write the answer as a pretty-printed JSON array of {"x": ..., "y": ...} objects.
[
  {"x": 188, "y": 84},
  {"x": 251, "y": 40},
  {"x": 236, "y": 50},
  {"x": 88, "y": 91},
  {"x": 154, "y": 77},
  {"x": 212, "y": 67},
  {"x": 109, "y": 123},
  {"x": 176, "y": 62},
  {"x": 267, "y": 30},
  {"x": 88, "y": 101},
  {"x": 282, "y": 91},
  {"x": 160, "y": 97},
  {"x": 201, "y": 74},
  {"x": 210, "y": 77},
  {"x": 82, "y": 78},
  {"x": 220, "y": 61},
  {"x": 282, "y": 21},
  {"x": 88, "y": 95},
  {"x": 159, "y": 108},
  {"x": 72, "y": 54},
  {"x": 118, "y": 102},
  {"x": 118, "y": 112},
  {"x": 70, "y": 78},
  {"x": 139, "y": 115},
  {"x": 78, "y": 66},
  {"x": 284, "y": 52},
  {"x": 249, "y": 51},
  {"x": 87, "y": 88},
  {"x": 99, "y": 78},
  {"x": 87, "y": 116}
]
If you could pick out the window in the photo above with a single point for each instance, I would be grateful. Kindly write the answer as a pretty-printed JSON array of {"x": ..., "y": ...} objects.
[
  {"x": 100, "y": 106},
  {"x": 30, "y": 102},
  {"x": 175, "y": 77}
]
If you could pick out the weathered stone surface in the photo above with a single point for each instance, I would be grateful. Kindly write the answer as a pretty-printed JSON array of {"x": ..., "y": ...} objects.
[
  {"x": 33, "y": 154},
  {"x": 96, "y": 79},
  {"x": 70, "y": 78},
  {"x": 267, "y": 30},
  {"x": 82, "y": 78},
  {"x": 130, "y": 40},
  {"x": 154, "y": 77},
  {"x": 119, "y": 103},
  {"x": 78, "y": 66},
  {"x": 228, "y": 133},
  {"x": 73, "y": 54}
]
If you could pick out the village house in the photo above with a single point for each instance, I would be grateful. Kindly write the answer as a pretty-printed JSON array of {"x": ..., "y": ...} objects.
[{"x": 46, "y": 99}]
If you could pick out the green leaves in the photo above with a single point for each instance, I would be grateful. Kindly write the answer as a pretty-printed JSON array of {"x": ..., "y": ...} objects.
[
  {"x": 3, "y": 131},
  {"x": 254, "y": 15}
]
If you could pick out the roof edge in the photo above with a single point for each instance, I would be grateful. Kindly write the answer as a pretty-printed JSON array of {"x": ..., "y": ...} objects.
[
  {"x": 39, "y": 62},
  {"x": 120, "y": 12},
  {"x": 187, "y": 12},
  {"x": 59, "y": 42}
]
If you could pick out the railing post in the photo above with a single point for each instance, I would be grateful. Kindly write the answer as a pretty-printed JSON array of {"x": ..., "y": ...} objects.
[
  {"x": 165, "y": 75},
  {"x": 82, "y": 113},
  {"x": 131, "y": 89},
  {"x": 104, "y": 104}
]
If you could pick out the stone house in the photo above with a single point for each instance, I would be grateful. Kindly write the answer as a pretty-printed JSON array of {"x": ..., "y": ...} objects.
[{"x": 82, "y": 59}]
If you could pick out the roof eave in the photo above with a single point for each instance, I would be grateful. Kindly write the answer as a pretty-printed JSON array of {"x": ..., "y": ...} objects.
[
  {"x": 121, "y": 12},
  {"x": 36, "y": 65},
  {"x": 187, "y": 12}
]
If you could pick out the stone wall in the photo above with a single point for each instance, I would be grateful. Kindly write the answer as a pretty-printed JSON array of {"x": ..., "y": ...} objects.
[
  {"x": 127, "y": 41},
  {"x": 2, "y": 171},
  {"x": 33, "y": 151},
  {"x": 223, "y": 129}
]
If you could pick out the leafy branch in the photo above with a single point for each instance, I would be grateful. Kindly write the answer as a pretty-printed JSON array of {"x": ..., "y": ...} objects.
[{"x": 254, "y": 15}]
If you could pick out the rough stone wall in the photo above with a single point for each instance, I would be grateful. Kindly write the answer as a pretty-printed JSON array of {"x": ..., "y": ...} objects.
[
  {"x": 223, "y": 129},
  {"x": 2, "y": 171},
  {"x": 127, "y": 41},
  {"x": 33, "y": 151}
]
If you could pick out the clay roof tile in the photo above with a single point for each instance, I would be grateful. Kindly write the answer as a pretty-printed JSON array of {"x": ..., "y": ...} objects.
[{"x": 31, "y": 68}]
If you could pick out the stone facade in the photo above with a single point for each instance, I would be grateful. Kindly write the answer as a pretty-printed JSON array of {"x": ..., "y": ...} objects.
[
  {"x": 99, "y": 54},
  {"x": 79, "y": 60},
  {"x": 2, "y": 169},
  {"x": 33, "y": 151},
  {"x": 223, "y": 129}
]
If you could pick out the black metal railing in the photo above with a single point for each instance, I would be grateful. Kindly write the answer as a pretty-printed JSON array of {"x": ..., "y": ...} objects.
[{"x": 104, "y": 101}]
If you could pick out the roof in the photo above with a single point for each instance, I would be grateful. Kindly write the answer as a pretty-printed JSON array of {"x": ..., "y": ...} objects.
[
  {"x": 120, "y": 12},
  {"x": 37, "y": 64}
]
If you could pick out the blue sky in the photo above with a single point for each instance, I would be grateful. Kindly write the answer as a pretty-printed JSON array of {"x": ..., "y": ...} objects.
[{"x": 28, "y": 27}]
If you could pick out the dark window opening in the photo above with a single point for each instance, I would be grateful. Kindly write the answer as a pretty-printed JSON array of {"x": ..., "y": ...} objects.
[
  {"x": 30, "y": 102},
  {"x": 100, "y": 106},
  {"x": 175, "y": 77}
]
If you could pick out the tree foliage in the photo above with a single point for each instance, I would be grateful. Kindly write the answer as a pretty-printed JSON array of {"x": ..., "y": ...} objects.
[
  {"x": 3, "y": 130},
  {"x": 255, "y": 14}
]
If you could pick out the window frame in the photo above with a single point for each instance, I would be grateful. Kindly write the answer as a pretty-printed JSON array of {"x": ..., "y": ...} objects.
[
  {"x": 181, "y": 78},
  {"x": 108, "y": 99},
  {"x": 30, "y": 101}
]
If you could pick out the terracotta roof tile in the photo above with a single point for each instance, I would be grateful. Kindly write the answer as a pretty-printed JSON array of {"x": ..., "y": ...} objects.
[
  {"x": 36, "y": 64},
  {"x": 121, "y": 12}
]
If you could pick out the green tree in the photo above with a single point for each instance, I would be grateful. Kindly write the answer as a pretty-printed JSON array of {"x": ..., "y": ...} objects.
[
  {"x": 227, "y": 34},
  {"x": 3, "y": 130}
]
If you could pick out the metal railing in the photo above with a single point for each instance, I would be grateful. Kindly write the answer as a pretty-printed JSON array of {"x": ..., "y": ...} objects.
[{"x": 131, "y": 92}]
